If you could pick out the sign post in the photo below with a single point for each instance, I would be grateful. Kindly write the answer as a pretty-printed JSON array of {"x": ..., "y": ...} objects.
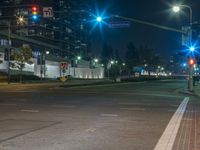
[{"x": 63, "y": 67}]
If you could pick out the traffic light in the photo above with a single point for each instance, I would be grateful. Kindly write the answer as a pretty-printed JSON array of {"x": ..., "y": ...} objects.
[
  {"x": 191, "y": 61},
  {"x": 34, "y": 13}
]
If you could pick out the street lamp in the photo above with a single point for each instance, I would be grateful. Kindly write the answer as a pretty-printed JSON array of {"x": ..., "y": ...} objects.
[
  {"x": 192, "y": 49},
  {"x": 112, "y": 62},
  {"x": 96, "y": 60},
  {"x": 47, "y": 52},
  {"x": 78, "y": 57},
  {"x": 21, "y": 20},
  {"x": 99, "y": 19},
  {"x": 177, "y": 9}
]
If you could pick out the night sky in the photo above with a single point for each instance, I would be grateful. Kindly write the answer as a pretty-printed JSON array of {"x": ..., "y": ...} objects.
[{"x": 155, "y": 11}]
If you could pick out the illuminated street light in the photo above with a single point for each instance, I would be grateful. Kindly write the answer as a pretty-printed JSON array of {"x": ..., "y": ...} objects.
[
  {"x": 123, "y": 64},
  {"x": 47, "y": 52},
  {"x": 99, "y": 19},
  {"x": 79, "y": 57},
  {"x": 176, "y": 9},
  {"x": 192, "y": 49},
  {"x": 20, "y": 20},
  {"x": 112, "y": 62},
  {"x": 96, "y": 60}
]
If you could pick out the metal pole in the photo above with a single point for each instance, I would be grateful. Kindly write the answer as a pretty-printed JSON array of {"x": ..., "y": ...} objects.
[
  {"x": 190, "y": 85},
  {"x": 150, "y": 24},
  {"x": 9, "y": 38},
  {"x": 190, "y": 78},
  {"x": 41, "y": 69}
]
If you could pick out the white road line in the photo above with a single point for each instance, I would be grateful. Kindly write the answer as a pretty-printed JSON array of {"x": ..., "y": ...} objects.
[
  {"x": 62, "y": 106},
  {"x": 167, "y": 139},
  {"x": 145, "y": 104},
  {"x": 133, "y": 109},
  {"x": 31, "y": 111},
  {"x": 109, "y": 115}
]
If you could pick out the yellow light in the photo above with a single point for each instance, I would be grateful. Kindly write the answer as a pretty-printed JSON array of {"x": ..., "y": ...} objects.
[{"x": 34, "y": 13}]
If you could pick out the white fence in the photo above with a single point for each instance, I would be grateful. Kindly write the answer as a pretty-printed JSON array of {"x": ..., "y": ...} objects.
[{"x": 51, "y": 69}]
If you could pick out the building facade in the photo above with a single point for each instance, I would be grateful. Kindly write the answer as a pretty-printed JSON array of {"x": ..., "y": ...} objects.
[{"x": 67, "y": 29}]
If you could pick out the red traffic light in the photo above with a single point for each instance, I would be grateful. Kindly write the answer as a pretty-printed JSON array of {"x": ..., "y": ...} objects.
[
  {"x": 34, "y": 8},
  {"x": 191, "y": 61}
]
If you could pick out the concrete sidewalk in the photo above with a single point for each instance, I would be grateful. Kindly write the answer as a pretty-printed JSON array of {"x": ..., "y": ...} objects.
[
  {"x": 197, "y": 90},
  {"x": 55, "y": 84}
]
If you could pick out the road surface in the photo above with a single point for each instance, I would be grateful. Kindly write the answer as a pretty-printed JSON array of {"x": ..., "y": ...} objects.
[{"x": 129, "y": 116}]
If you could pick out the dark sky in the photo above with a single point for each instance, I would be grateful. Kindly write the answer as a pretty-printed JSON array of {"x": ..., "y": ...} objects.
[{"x": 155, "y": 11}]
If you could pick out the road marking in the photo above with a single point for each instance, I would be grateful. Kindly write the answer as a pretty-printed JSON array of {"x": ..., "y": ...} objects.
[
  {"x": 91, "y": 130},
  {"x": 145, "y": 104},
  {"x": 168, "y": 137},
  {"x": 61, "y": 106},
  {"x": 109, "y": 115},
  {"x": 31, "y": 111},
  {"x": 133, "y": 109}
]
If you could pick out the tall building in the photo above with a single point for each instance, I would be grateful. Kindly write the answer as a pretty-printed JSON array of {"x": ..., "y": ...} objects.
[{"x": 67, "y": 31}]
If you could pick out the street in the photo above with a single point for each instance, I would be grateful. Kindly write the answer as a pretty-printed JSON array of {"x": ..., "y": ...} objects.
[{"x": 128, "y": 116}]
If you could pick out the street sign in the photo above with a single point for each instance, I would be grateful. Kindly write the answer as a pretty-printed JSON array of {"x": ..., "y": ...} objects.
[
  {"x": 64, "y": 65},
  {"x": 63, "y": 79},
  {"x": 187, "y": 37},
  {"x": 119, "y": 24},
  {"x": 47, "y": 12}
]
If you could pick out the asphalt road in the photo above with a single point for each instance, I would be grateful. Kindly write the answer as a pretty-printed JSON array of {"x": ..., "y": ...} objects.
[{"x": 131, "y": 116}]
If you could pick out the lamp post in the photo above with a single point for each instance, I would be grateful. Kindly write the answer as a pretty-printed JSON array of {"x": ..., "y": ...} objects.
[{"x": 176, "y": 9}]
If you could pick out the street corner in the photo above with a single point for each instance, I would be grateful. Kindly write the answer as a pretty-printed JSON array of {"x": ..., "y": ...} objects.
[{"x": 197, "y": 90}]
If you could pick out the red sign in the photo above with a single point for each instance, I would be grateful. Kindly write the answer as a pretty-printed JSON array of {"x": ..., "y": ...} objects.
[{"x": 64, "y": 65}]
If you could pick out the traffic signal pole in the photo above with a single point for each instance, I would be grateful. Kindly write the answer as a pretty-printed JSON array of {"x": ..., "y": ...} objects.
[{"x": 190, "y": 84}]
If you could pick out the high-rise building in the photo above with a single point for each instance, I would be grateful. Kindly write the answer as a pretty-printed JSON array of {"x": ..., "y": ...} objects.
[{"x": 67, "y": 30}]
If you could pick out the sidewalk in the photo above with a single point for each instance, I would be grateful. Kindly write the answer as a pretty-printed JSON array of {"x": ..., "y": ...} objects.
[
  {"x": 197, "y": 90},
  {"x": 69, "y": 83}
]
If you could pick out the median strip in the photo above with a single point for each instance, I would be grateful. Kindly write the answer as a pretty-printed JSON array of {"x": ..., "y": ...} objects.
[{"x": 166, "y": 142}]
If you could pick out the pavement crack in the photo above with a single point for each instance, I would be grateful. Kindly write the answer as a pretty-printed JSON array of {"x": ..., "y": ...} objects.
[{"x": 31, "y": 131}]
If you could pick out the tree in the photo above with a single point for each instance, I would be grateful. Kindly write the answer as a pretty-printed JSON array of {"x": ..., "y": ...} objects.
[
  {"x": 132, "y": 57},
  {"x": 107, "y": 54},
  {"x": 22, "y": 56},
  {"x": 149, "y": 57}
]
